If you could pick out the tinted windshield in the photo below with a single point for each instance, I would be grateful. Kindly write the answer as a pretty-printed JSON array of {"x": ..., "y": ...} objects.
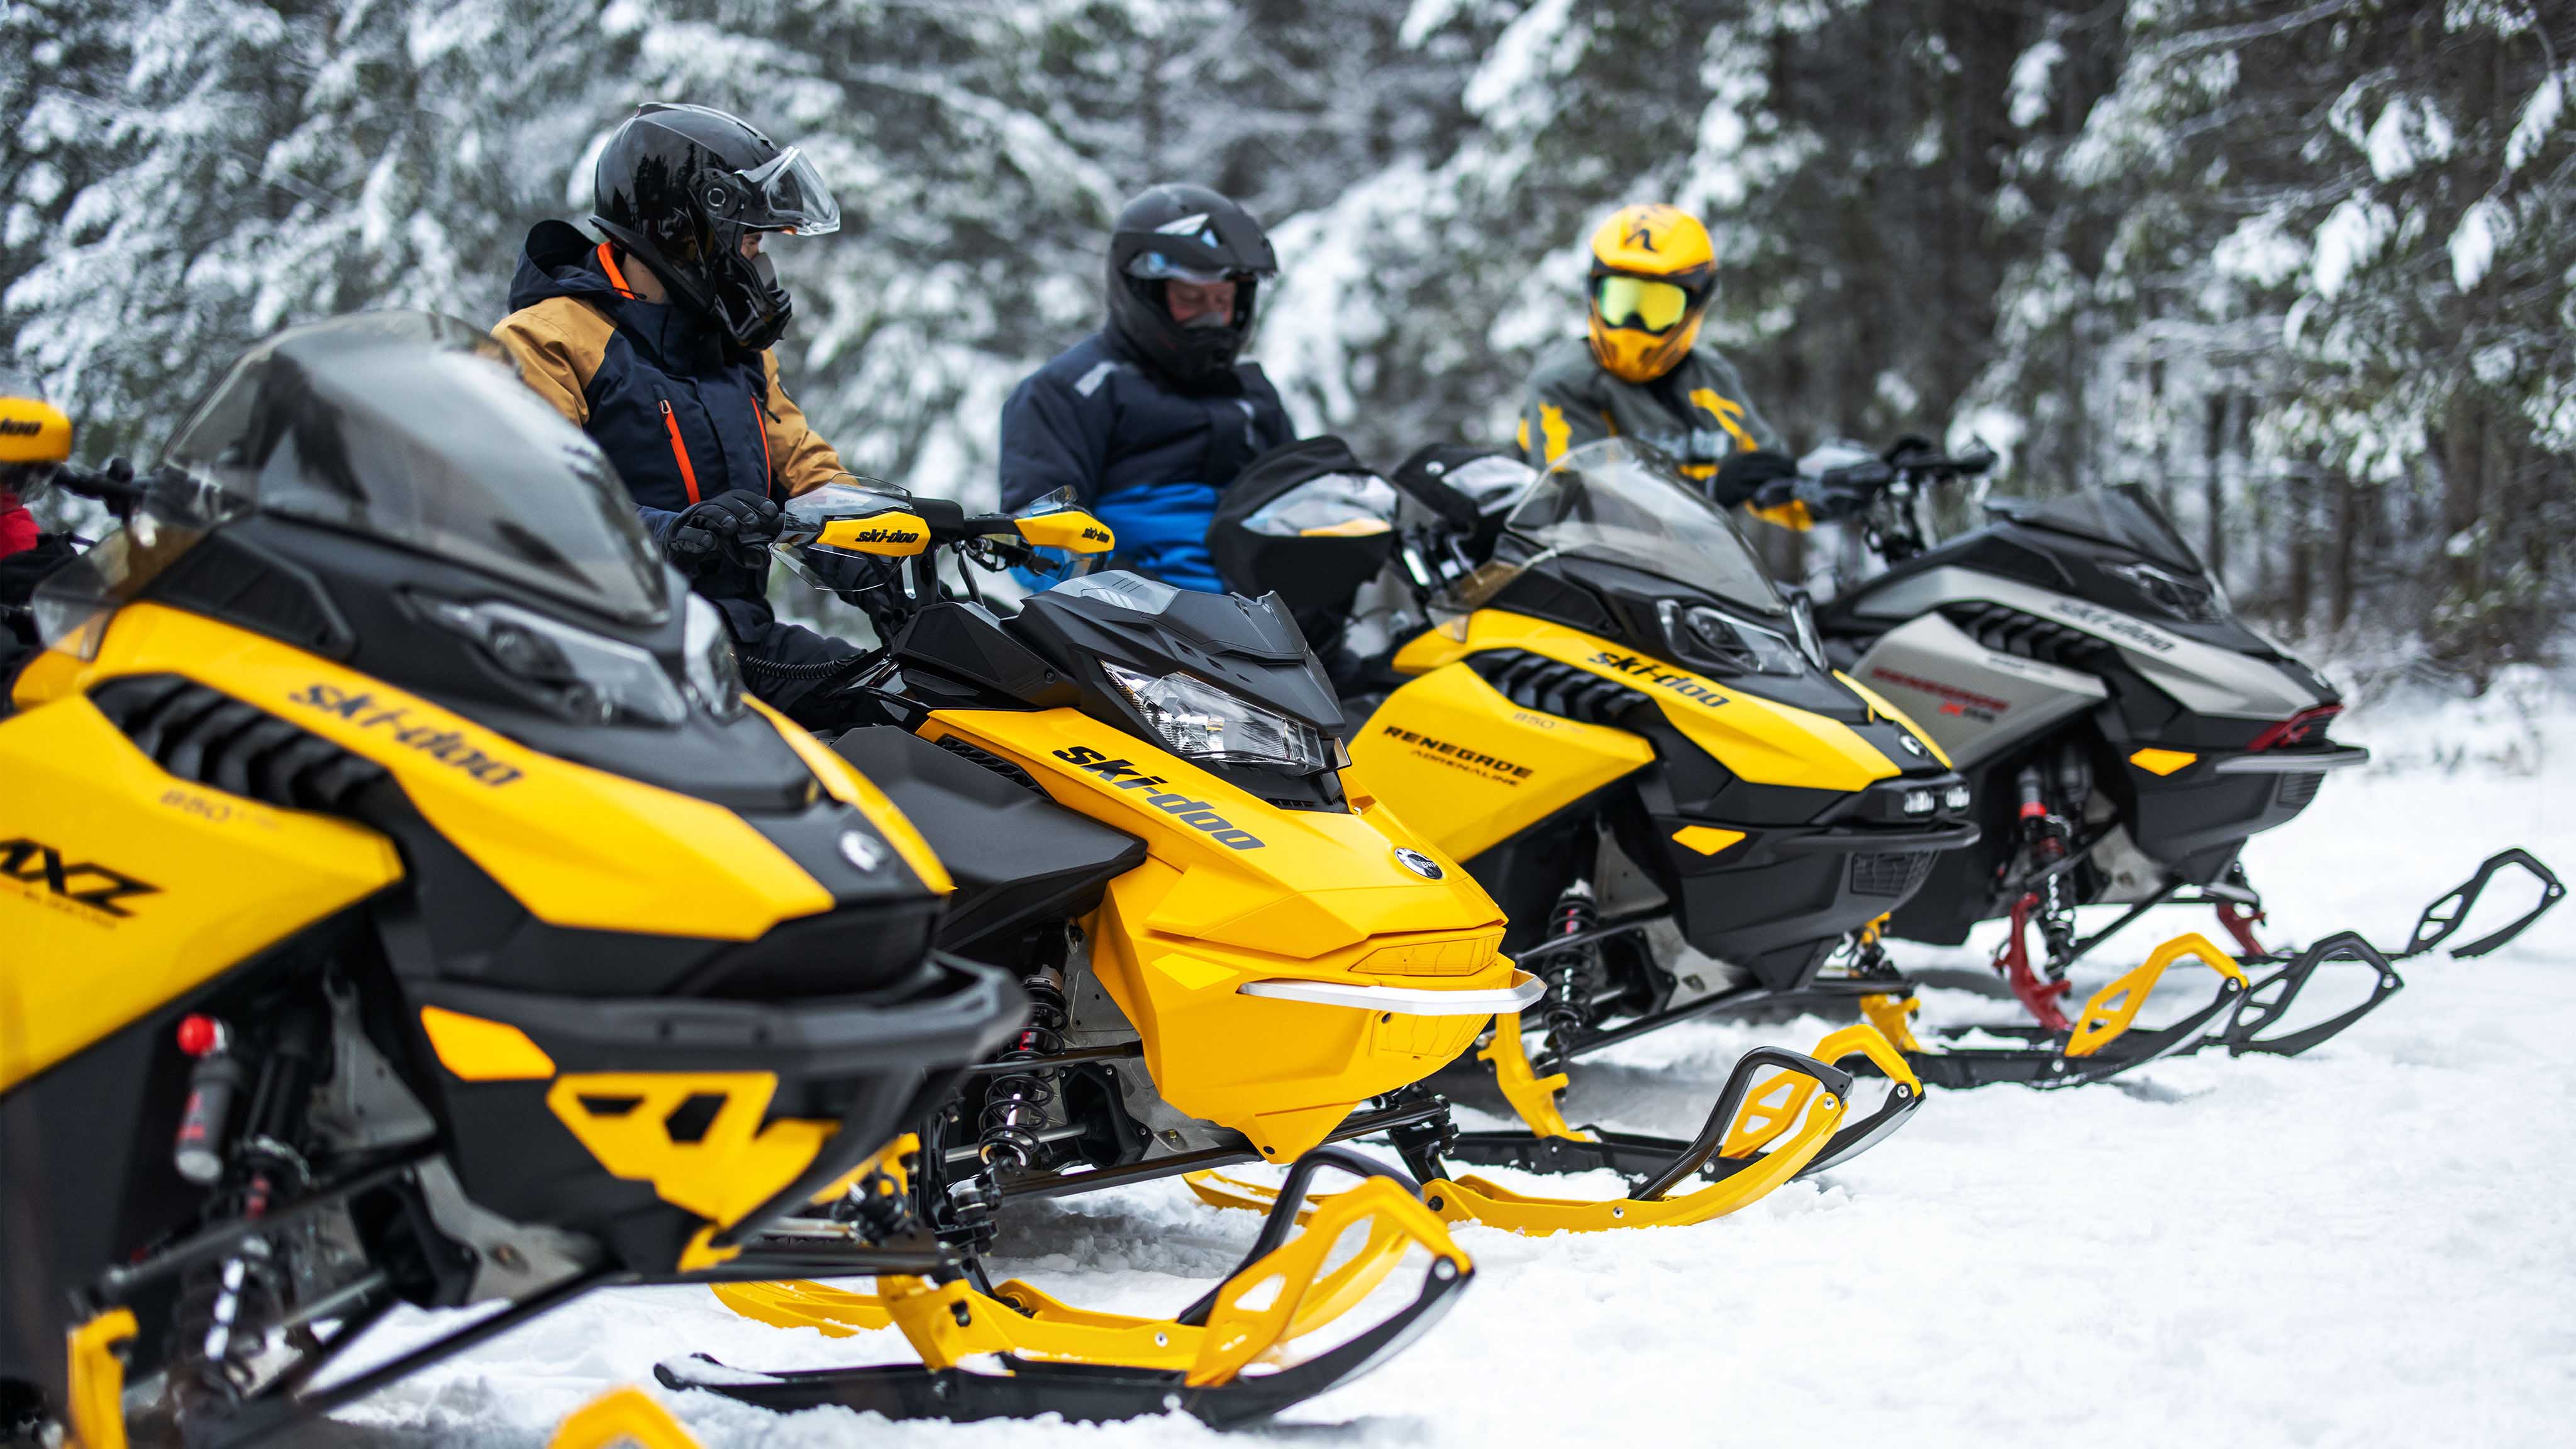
[
  {"x": 1614, "y": 501},
  {"x": 408, "y": 428},
  {"x": 2125, "y": 515}
]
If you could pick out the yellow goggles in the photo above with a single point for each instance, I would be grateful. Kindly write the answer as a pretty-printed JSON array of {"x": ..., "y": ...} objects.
[{"x": 1639, "y": 303}]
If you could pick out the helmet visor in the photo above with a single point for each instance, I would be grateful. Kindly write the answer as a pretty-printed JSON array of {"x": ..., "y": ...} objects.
[
  {"x": 786, "y": 194},
  {"x": 1635, "y": 302},
  {"x": 1156, "y": 267}
]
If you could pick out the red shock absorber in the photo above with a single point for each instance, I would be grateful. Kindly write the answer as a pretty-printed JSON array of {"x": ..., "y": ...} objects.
[{"x": 2038, "y": 996}]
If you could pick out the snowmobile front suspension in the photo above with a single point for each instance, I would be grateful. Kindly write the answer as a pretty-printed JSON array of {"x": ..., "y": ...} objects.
[{"x": 1221, "y": 1359}]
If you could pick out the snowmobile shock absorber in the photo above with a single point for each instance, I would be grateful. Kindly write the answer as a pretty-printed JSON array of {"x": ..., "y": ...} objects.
[
  {"x": 198, "y": 1152},
  {"x": 2045, "y": 835},
  {"x": 1015, "y": 1105},
  {"x": 1565, "y": 971}
]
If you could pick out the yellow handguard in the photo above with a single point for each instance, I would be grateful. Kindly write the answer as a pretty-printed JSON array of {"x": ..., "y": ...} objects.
[
  {"x": 1070, "y": 529},
  {"x": 33, "y": 431},
  {"x": 891, "y": 534}
]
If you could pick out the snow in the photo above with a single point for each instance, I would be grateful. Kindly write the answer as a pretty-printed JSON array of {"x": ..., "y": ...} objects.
[{"x": 2369, "y": 1245}]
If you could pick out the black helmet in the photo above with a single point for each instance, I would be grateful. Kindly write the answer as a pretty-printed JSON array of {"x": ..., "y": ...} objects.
[
  {"x": 678, "y": 186},
  {"x": 1189, "y": 234}
]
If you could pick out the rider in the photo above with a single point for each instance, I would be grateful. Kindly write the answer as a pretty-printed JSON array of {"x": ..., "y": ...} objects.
[
  {"x": 1148, "y": 419},
  {"x": 657, "y": 342},
  {"x": 1639, "y": 374}
]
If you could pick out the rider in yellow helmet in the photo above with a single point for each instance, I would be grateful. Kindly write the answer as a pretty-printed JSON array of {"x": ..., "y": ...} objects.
[{"x": 1639, "y": 373}]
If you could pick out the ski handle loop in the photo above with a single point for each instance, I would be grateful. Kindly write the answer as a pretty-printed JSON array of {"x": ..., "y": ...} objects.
[
  {"x": 2264, "y": 1006},
  {"x": 1730, "y": 1104},
  {"x": 2442, "y": 919},
  {"x": 1282, "y": 1218}
]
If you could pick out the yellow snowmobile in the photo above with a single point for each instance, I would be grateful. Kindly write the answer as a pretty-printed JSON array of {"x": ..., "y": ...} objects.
[
  {"x": 1234, "y": 955},
  {"x": 1593, "y": 695},
  {"x": 404, "y": 905}
]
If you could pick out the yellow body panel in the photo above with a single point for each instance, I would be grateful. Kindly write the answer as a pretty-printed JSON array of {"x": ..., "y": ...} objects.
[
  {"x": 1757, "y": 739},
  {"x": 1236, "y": 890},
  {"x": 123, "y": 888},
  {"x": 735, "y": 1165},
  {"x": 2161, "y": 762},
  {"x": 577, "y": 847},
  {"x": 1472, "y": 769},
  {"x": 475, "y": 1050}
]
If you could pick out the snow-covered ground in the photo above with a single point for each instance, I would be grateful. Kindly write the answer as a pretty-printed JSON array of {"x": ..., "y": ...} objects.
[{"x": 2373, "y": 1244}]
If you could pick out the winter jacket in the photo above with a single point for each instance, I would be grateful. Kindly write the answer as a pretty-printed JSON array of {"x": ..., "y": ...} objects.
[
  {"x": 1697, "y": 412},
  {"x": 17, "y": 525},
  {"x": 681, "y": 416},
  {"x": 1149, "y": 458}
]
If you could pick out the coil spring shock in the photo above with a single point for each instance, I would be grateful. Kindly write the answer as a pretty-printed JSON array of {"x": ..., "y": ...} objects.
[
  {"x": 2047, "y": 835},
  {"x": 1565, "y": 971},
  {"x": 1015, "y": 1105}
]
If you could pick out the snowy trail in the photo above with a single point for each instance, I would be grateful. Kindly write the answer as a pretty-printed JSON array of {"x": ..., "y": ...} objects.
[{"x": 2373, "y": 1244}]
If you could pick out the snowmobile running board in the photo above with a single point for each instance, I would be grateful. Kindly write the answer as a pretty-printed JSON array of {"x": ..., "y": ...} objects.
[{"x": 1034, "y": 1355}]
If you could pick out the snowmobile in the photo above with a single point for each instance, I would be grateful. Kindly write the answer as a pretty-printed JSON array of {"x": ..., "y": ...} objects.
[
  {"x": 1623, "y": 729},
  {"x": 2123, "y": 734},
  {"x": 405, "y": 905},
  {"x": 1234, "y": 955}
]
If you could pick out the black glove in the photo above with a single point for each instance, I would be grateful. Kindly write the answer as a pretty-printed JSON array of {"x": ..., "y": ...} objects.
[
  {"x": 1743, "y": 475},
  {"x": 738, "y": 526}
]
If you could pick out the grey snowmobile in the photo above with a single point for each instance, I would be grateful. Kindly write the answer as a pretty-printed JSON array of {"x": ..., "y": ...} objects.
[{"x": 2124, "y": 734}]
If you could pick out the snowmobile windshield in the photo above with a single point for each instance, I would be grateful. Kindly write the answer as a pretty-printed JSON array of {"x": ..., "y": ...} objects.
[
  {"x": 412, "y": 429},
  {"x": 1626, "y": 505},
  {"x": 2125, "y": 516}
]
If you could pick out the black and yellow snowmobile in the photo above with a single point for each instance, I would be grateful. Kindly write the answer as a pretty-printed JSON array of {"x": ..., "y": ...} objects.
[
  {"x": 1593, "y": 695},
  {"x": 400, "y": 903},
  {"x": 1236, "y": 957},
  {"x": 2124, "y": 734}
]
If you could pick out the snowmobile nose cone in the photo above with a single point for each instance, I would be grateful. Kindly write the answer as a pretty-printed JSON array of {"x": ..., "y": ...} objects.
[{"x": 1418, "y": 863}]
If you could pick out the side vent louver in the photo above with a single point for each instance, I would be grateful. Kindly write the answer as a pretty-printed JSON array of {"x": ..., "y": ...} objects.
[
  {"x": 988, "y": 760},
  {"x": 2026, "y": 636},
  {"x": 211, "y": 738},
  {"x": 1536, "y": 682}
]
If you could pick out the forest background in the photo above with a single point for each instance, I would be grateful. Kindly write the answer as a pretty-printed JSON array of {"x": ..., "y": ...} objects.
[{"x": 2304, "y": 269}]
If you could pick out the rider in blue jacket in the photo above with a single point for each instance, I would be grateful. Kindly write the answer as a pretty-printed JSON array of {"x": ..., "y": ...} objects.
[{"x": 1148, "y": 419}]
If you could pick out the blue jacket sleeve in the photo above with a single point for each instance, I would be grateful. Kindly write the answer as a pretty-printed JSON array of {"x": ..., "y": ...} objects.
[
  {"x": 657, "y": 523},
  {"x": 1053, "y": 437}
]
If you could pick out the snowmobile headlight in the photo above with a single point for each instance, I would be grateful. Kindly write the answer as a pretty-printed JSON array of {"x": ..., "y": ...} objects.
[
  {"x": 706, "y": 653},
  {"x": 1724, "y": 644},
  {"x": 1197, "y": 720},
  {"x": 583, "y": 676},
  {"x": 1955, "y": 798},
  {"x": 1920, "y": 802}
]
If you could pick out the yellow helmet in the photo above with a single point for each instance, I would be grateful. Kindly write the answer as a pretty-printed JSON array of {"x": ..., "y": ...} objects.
[
  {"x": 1651, "y": 269},
  {"x": 32, "y": 431}
]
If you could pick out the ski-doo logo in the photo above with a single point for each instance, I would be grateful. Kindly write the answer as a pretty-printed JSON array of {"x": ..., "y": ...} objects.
[
  {"x": 18, "y": 428},
  {"x": 88, "y": 883},
  {"x": 448, "y": 747},
  {"x": 887, "y": 535},
  {"x": 1198, "y": 813},
  {"x": 1688, "y": 686},
  {"x": 1460, "y": 753},
  {"x": 2118, "y": 625},
  {"x": 1095, "y": 535}
]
